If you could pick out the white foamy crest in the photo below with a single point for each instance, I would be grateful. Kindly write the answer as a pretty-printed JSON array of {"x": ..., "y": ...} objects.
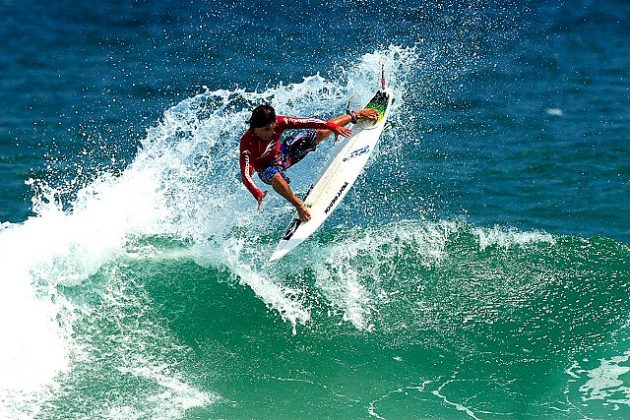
[
  {"x": 283, "y": 299},
  {"x": 353, "y": 272},
  {"x": 51, "y": 249},
  {"x": 507, "y": 237},
  {"x": 341, "y": 284}
]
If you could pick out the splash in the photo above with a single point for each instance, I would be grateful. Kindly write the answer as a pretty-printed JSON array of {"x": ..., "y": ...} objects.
[
  {"x": 182, "y": 184},
  {"x": 364, "y": 273}
]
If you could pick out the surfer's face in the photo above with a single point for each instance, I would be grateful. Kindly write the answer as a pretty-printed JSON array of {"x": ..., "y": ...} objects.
[{"x": 265, "y": 132}]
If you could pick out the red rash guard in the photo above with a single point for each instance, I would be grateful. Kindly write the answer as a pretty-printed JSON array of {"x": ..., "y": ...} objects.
[{"x": 257, "y": 154}]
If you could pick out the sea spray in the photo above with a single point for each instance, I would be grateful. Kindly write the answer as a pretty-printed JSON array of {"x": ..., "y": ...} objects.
[{"x": 182, "y": 184}]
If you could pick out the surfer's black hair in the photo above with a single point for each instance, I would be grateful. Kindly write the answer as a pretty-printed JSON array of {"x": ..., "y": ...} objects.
[{"x": 262, "y": 115}]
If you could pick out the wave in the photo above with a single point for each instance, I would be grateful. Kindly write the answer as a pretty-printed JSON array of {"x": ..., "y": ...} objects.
[
  {"x": 81, "y": 277},
  {"x": 183, "y": 184}
]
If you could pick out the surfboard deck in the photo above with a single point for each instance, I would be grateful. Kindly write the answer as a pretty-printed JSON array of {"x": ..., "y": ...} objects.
[{"x": 340, "y": 174}]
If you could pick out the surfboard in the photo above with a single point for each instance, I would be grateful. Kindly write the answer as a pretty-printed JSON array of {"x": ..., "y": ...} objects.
[{"x": 339, "y": 175}]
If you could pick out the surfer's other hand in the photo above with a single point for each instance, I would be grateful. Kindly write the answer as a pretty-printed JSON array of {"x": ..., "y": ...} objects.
[
  {"x": 303, "y": 213},
  {"x": 261, "y": 199},
  {"x": 342, "y": 131},
  {"x": 368, "y": 114}
]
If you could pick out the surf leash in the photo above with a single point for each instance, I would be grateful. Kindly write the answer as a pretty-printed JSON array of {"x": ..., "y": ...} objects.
[{"x": 382, "y": 75}]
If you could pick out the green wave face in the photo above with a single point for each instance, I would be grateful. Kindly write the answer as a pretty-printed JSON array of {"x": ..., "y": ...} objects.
[{"x": 438, "y": 318}]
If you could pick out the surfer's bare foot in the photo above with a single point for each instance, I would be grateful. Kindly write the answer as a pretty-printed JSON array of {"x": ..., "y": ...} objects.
[{"x": 303, "y": 213}]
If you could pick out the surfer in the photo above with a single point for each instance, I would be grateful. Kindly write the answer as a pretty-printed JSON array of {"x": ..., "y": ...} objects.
[{"x": 262, "y": 151}]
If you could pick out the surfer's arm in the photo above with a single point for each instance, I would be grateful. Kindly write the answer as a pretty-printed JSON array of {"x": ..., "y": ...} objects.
[
  {"x": 285, "y": 123},
  {"x": 329, "y": 126},
  {"x": 345, "y": 119},
  {"x": 353, "y": 116},
  {"x": 246, "y": 176}
]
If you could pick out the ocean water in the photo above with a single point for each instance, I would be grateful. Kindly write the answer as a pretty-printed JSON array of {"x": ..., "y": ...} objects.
[{"x": 479, "y": 268}]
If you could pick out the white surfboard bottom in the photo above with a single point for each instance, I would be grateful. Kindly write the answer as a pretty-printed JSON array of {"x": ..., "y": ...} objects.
[{"x": 336, "y": 180}]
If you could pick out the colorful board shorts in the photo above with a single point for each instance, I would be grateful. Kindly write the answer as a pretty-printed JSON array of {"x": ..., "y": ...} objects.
[{"x": 292, "y": 150}]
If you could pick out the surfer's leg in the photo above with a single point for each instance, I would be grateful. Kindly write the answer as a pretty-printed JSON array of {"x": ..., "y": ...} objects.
[
  {"x": 281, "y": 186},
  {"x": 296, "y": 148},
  {"x": 267, "y": 174},
  {"x": 274, "y": 175}
]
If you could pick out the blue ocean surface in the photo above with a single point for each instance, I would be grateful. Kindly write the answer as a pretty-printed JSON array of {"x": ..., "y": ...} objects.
[{"x": 479, "y": 267}]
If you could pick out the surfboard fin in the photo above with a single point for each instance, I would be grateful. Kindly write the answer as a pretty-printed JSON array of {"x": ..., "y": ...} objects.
[{"x": 382, "y": 75}]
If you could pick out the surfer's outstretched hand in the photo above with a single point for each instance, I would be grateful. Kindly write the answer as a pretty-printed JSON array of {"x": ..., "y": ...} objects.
[
  {"x": 368, "y": 114},
  {"x": 261, "y": 199}
]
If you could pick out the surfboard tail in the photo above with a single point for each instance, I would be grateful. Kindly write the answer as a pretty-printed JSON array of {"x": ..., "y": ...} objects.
[
  {"x": 279, "y": 253},
  {"x": 284, "y": 248}
]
